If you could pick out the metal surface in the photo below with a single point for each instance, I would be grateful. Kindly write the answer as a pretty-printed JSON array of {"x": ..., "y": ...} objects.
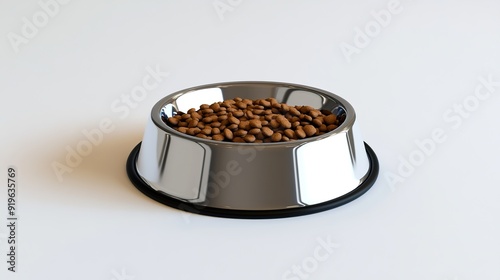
[{"x": 257, "y": 176}]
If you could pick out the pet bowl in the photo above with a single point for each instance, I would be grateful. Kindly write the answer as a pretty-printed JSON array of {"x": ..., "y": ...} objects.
[{"x": 252, "y": 180}]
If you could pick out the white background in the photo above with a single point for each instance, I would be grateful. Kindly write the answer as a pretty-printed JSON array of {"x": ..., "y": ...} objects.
[{"x": 439, "y": 222}]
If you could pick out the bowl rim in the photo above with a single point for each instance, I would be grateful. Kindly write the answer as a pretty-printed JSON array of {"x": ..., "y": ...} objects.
[{"x": 346, "y": 125}]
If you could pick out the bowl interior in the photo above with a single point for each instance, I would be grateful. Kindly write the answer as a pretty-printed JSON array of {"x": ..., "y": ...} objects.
[{"x": 285, "y": 93}]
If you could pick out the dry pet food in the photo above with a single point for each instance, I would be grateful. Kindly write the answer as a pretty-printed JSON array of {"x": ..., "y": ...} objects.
[{"x": 253, "y": 121}]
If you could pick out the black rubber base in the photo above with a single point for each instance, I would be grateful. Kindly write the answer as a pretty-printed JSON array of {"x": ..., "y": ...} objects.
[{"x": 251, "y": 214}]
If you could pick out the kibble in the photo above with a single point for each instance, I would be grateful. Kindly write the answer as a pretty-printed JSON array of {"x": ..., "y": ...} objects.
[
  {"x": 173, "y": 121},
  {"x": 254, "y": 121},
  {"x": 300, "y": 133},
  {"x": 289, "y": 133},
  {"x": 218, "y": 137},
  {"x": 254, "y": 131},
  {"x": 228, "y": 134},
  {"x": 240, "y": 132},
  {"x": 309, "y": 130},
  {"x": 249, "y": 138},
  {"x": 330, "y": 119},
  {"x": 283, "y": 121},
  {"x": 276, "y": 137},
  {"x": 267, "y": 131},
  {"x": 234, "y": 120}
]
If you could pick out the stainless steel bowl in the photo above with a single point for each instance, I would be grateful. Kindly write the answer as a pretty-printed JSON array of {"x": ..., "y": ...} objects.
[{"x": 252, "y": 180}]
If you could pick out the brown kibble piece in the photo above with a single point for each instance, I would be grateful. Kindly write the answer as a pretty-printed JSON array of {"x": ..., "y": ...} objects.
[
  {"x": 258, "y": 111},
  {"x": 247, "y": 101},
  {"x": 215, "y": 107},
  {"x": 233, "y": 127},
  {"x": 227, "y": 103},
  {"x": 306, "y": 118},
  {"x": 173, "y": 121},
  {"x": 331, "y": 127},
  {"x": 240, "y": 132},
  {"x": 265, "y": 103},
  {"x": 193, "y": 131},
  {"x": 241, "y": 105},
  {"x": 275, "y": 104},
  {"x": 330, "y": 119},
  {"x": 309, "y": 130},
  {"x": 249, "y": 138},
  {"x": 215, "y": 130},
  {"x": 314, "y": 113},
  {"x": 210, "y": 119},
  {"x": 276, "y": 137},
  {"x": 306, "y": 109},
  {"x": 289, "y": 133},
  {"x": 300, "y": 133},
  {"x": 267, "y": 131},
  {"x": 195, "y": 115},
  {"x": 207, "y": 130},
  {"x": 200, "y": 135},
  {"x": 193, "y": 123},
  {"x": 274, "y": 124},
  {"x": 254, "y": 123},
  {"x": 228, "y": 134},
  {"x": 239, "y": 140},
  {"x": 254, "y": 131},
  {"x": 294, "y": 111},
  {"x": 283, "y": 121},
  {"x": 218, "y": 137},
  {"x": 317, "y": 122},
  {"x": 234, "y": 120},
  {"x": 244, "y": 125},
  {"x": 238, "y": 113},
  {"x": 249, "y": 114}
]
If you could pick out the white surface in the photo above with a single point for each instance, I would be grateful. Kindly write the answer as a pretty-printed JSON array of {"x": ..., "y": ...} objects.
[{"x": 440, "y": 223}]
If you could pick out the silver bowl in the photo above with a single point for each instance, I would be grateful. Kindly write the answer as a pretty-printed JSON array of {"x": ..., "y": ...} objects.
[{"x": 252, "y": 180}]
